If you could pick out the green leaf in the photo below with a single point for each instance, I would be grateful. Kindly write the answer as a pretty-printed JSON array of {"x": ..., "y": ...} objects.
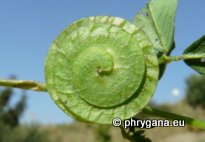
[
  {"x": 157, "y": 20},
  {"x": 195, "y": 55}
]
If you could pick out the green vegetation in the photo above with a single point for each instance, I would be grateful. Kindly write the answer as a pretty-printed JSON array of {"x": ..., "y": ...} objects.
[
  {"x": 10, "y": 130},
  {"x": 118, "y": 60},
  {"x": 195, "y": 91},
  {"x": 9, "y": 116}
]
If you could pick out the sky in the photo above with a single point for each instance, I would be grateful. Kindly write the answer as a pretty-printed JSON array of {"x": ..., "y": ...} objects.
[{"x": 28, "y": 27}]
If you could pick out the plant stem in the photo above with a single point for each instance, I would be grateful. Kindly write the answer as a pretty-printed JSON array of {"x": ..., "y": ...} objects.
[
  {"x": 167, "y": 59},
  {"x": 23, "y": 84},
  {"x": 172, "y": 116}
]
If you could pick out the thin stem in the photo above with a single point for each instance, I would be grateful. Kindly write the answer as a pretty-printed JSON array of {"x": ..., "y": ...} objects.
[
  {"x": 167, "y": 59},
  {"x": 23, "y": 84},
  {"x": 172, "y": 116}
]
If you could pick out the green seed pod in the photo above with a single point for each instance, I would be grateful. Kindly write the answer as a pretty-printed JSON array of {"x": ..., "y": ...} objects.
[{"x": 101, "y": 67}]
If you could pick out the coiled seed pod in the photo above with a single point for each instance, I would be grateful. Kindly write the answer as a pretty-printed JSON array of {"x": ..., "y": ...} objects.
[{"x": 101, "y": 67}]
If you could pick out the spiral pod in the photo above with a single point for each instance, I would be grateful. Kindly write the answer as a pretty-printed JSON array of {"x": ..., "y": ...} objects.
[{"x": 101, "y": 67}]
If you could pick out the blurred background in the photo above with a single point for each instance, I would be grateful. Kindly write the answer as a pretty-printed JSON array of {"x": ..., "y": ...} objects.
[{"x": 27, "y": 29}]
